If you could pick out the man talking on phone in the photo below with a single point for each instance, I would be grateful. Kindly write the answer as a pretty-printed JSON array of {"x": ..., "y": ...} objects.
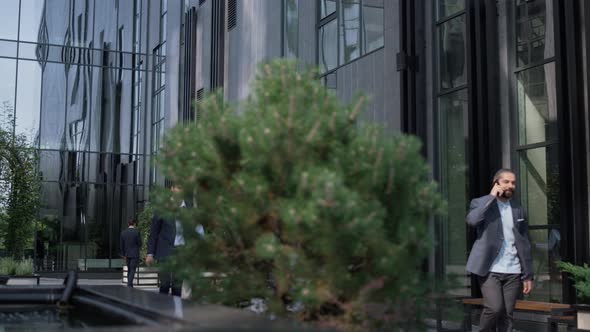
[{"x": 501, "y": 255}]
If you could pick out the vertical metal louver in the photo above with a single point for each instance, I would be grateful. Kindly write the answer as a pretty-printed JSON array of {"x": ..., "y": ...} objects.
[
  {"x": 217, "y": 43},
  {"x": 232, "y": 11},
  {"x": 190, "y": 53}
]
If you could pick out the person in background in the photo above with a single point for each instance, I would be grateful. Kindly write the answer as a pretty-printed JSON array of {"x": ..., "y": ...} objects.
[
  {"x": 130, "y": 246},
  {"x": 165, "y": 235}
]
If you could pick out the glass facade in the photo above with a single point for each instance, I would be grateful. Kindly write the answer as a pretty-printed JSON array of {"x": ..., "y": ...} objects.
[
  {"x": 454, "y": 160},
  {"x": 158, "y": 94},
  {"x": 537, "y": 145},
  {"x": 73, "y": 84}
]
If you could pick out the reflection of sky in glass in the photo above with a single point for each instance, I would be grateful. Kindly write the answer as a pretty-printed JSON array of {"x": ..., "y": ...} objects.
[
  {"x": 9, "y": 19},
  {"x": 28, "y": 86},
  {"x": 31, "y": 11},
  {"x": 28, "y": 98}
]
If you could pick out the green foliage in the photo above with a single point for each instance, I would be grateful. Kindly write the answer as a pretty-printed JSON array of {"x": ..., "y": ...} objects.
[
  {"x": 581, "y": 277},
  {"x": 19, "y": 193},
  {"x": 24, "y": 267},
  {"x": 144, "y": 220},
  {"x": 301, "y": 205},
  {"x": 12, "y": 267}
]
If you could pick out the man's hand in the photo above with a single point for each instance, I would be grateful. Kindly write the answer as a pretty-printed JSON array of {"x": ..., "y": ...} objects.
[
  {"x": 149, "y": 260},
  {"x": 497, "y": 191},
  {"x": 527, "y": 287}
]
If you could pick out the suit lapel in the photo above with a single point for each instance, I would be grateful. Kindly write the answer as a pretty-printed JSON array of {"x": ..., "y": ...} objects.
[{"x": 495, "y": 211}]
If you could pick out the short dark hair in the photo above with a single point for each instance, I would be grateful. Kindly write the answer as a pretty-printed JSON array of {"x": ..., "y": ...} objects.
[
  {"x": 500, "y": 172},
  {"x": 131, "y": 222}
]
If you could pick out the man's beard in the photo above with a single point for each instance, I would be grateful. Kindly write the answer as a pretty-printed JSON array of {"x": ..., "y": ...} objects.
[{"x": 507, "y": 194}]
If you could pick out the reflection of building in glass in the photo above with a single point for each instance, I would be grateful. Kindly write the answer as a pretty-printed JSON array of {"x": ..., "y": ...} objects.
[
  {"x": 78, "y": 74},
  {"x": 90, "y": 161},
  {"x": 95, "y": 84}
]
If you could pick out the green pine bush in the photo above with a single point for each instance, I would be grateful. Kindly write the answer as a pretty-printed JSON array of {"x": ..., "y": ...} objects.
[
  {"x": 324, "y": 218},
  {"x": 581, "y": 277}
]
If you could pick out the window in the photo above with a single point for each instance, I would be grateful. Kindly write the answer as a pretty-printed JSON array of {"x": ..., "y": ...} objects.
[
  {"x": 447, "y": 8},
  {"x": 537, "y": 141},
  {"x": 159, "y": 92},
  {"x": 290, "y": 28},
  {"x": 328, "y": 46},
  {"x": 232, "y": 14},
  {"x": 453, "y": 137},
  {"x": 452, "y": 66},
  {"x": 347, "y": 30},
  {"x": 158, "y": 106},
  {"x": 137, "y": 83},
  {"x": 372, "y": 25}
]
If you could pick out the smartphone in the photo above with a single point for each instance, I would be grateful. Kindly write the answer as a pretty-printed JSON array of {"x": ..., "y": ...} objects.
[{"x": 498, "y": 194}]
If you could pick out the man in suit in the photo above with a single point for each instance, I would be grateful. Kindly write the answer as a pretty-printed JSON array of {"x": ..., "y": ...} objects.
[
  {"x": 164, "y": 236},
  {"x": 501, "y": 255},
  {"x": 130, "y": 246}
]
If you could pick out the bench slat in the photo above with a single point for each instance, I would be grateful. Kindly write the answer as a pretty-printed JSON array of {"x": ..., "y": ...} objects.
[{"x": 524, "y": 305}]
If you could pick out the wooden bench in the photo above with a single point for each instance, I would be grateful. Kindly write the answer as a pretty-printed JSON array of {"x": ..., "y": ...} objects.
[{"x": 557, "y": 312}]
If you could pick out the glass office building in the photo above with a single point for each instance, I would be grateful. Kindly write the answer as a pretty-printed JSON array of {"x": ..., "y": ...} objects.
[
  {"x": 76, "y": 78},
  {"x": 486, "y": 84}
]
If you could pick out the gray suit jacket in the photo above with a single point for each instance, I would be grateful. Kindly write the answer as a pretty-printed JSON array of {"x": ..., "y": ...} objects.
[{"x": 484, "y": 215}]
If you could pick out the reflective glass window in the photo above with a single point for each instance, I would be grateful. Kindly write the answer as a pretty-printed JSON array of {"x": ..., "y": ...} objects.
[
  {"x": 539, "y": 184},
  {"x": 372, "y": 25},
  {"x": 546, "y": 250},
  {"x": 291, "y": 28},
  {"x": 449, "y": 7},
  {"x": 7, "y": 89},
  {"x": 8, "y": 48},
  {"x": 537, "y": 110},
  {"x": 454, "y": 177},
  {"x": 28, "y": 103},
  {"x": 9, "y": 20},
  {"x": 328, "y": 46},
  {"x": 30, "y": 21},
  {"x": 52, "y": 165},
  {"x": 452, "y": 65},
  {"x": 327, "y": 7},
  {"x": 534, "y": 31},
  {"x": 53, "y": 107},
  {"x": 350, "y": 30},
  {"x": 58, "y": 23}
]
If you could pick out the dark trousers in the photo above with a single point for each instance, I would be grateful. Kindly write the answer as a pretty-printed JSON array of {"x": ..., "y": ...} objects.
[
  {"x": 500, "y": 291},
  {"x": 169, "y": 282},
  {"x": 132, "y": 264}
]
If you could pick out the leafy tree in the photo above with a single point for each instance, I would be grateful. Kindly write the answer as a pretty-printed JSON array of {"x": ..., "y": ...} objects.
[
  {"x": 322, "y": 217},
  {"x": 20, "y": 192},
  {"x": 19, "y": 189}
]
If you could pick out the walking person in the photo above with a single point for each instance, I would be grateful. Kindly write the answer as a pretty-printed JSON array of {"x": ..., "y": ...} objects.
[
  {"x": 130, "y": 246},
  {"x": 501, "y": 255},
  {"x": 164, "y": 236}
]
